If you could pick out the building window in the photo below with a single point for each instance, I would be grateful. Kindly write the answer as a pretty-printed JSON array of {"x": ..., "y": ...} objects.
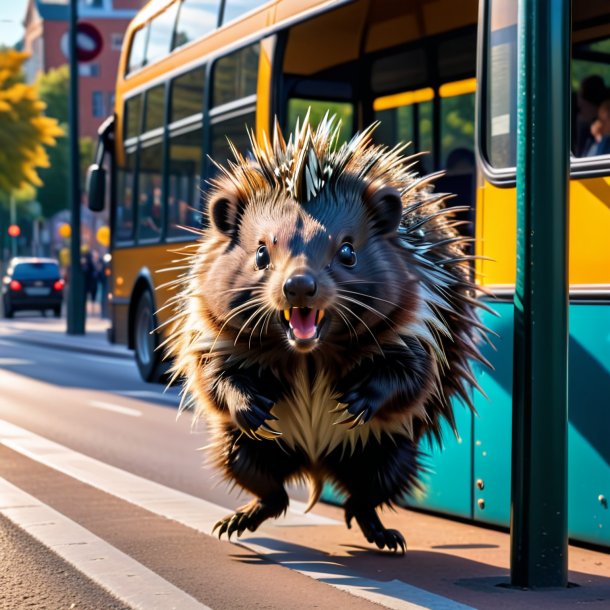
[
  {"x": 97, "y": 104},
  {"x": 88, "y": 69},
  {"x": 110, "y": 102},
  {"x": 116, "y": 41}
]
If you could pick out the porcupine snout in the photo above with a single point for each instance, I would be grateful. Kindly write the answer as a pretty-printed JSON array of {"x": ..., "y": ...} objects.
[{"x": 300, "y": 288}]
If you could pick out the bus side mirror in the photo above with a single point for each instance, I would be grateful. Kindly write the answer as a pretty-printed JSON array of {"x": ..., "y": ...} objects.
[{"x": 96, "y": 187}]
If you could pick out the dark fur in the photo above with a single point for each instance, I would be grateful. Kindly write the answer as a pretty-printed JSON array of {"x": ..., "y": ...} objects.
[{"x": 390, "y": 351}]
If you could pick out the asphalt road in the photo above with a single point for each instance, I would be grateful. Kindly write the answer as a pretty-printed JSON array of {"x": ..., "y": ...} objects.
[{"x": 105, "y": 503}]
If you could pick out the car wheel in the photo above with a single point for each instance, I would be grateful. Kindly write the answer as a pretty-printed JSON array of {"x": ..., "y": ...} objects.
[
  {"x": 57, "y": 312},
  {"x": 8, "y": 310},
  {"x": 146, "y": 341}
]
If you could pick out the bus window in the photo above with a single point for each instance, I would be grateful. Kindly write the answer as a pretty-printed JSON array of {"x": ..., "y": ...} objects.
[
  {"x": 408, "y": 117},
  {"x": 133, "y": 115},
  {"x": 187, "y": 94},
  {"x": 235, "y": 76},
  {"x": 154, "y": 115},
  {"x": 160, "y": 38},
  {"x": 501, "y": 77},
  {"x": 184, "y": 190},
  {"x": 235, "y": 8},
  {"x": 344, "y": 111},
  {"x": 233, "y": 99},
  {"x": 137, "y": 52},
  {"x": 150, "y": 212},
  {"x": 195, "y": 19},
  {"x": 234, "y": 129},
  {"x": 399, "y": 72},
  {"x": 457, "y": 119},
  {"x": 124, "y": 219}
]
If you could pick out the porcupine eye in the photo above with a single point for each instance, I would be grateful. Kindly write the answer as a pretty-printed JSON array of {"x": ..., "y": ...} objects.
[
  {"x": 347, "y": 255},
  {"x": 262, "y": 258}
]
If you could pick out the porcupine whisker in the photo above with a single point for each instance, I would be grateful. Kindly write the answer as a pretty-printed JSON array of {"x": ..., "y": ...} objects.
[
  {"x": 260, "y": 309},
  {"x": 346, "y": 308},
  {"x": 235, "y": 312},
  {"x": 261, "y": 318},
  {"x": 374, "y": 311},
  {"x": 350, "y": 326},
  {"x": 369, "y": 296}
]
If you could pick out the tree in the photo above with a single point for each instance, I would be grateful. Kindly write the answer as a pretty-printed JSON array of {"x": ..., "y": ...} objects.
[
  {"x": 53, "y": 195},
  {"x": 24, "y": 129}
]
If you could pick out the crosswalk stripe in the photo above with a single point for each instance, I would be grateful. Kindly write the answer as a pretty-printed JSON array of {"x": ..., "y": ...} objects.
[
  {"x": 125, "y": 578},
  {"x": 201, "y": 516}
]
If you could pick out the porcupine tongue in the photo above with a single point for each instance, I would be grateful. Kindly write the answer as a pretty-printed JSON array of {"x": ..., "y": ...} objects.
[{"x": 303, "y": 322}]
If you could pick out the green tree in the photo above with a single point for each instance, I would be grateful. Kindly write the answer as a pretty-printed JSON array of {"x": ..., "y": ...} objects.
[
  {"x": 24, "y": 129},
  {"x": 54, "y": 194}
]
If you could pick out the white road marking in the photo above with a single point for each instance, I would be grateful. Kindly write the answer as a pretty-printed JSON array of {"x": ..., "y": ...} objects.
[
  {"x": 201, "y": 516},
  {"x": 14, "y": 361},
  {"x": 173, "y": 398},
  {"x": 107, "y": 406},
  {"x": 129, "y": 581}
]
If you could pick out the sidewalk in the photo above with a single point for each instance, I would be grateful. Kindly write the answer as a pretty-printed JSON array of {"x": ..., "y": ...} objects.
[{"x": 52, "y": 332}]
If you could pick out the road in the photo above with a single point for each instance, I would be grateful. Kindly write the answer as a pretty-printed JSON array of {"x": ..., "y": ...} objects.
[{"x": 105, "y": 503}]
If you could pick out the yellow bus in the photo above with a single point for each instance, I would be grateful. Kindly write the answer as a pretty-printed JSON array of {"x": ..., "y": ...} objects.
[{"x": 438, "y": 73}]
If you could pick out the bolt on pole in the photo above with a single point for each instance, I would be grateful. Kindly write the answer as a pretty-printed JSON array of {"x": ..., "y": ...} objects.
[
  {"x": 76, "y": 293},
  {"x": 539, "y": 541}
]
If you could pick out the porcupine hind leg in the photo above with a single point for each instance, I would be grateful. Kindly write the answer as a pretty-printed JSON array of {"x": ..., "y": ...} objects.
[
  {"x": 260, "y": 467},
  {"x": 376, "y": 474}
]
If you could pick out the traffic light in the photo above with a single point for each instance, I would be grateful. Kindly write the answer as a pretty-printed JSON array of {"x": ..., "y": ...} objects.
[{"x": 14, "y": 230}]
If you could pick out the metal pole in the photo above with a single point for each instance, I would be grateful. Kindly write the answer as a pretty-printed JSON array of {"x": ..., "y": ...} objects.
[
  {"x": 539, "y": 542},
  {"x": 76, "y": 294}
]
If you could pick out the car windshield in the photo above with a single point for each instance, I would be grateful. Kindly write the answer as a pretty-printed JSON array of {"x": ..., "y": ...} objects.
[{"x": 36, "y": 271}]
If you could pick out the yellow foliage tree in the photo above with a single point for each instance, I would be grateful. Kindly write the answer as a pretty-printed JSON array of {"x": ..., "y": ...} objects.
[{"x": 24, "y": 129}]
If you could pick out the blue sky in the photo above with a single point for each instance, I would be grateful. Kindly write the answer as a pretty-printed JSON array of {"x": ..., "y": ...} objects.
[{"x": 12, "y": 13}]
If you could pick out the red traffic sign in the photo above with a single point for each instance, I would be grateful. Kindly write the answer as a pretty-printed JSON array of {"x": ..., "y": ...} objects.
[
  {"x": 14, "y": 230},
  {"x": 89, "y": 42}
]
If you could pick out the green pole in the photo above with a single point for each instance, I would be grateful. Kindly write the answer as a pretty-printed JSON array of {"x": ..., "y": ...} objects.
[
  {"x": 539, "y": 543},
  {"x": 76, "y": 293}
]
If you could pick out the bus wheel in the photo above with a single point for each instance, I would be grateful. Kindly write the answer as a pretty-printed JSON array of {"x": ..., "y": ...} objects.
[{"x": 148, "y": 358}]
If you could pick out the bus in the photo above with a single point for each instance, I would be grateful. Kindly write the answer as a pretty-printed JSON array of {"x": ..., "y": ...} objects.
[{"x": 194, "y": 73}]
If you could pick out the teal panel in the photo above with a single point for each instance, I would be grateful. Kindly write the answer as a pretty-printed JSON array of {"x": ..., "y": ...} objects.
[
  {"x": 446, "y": 484},
  {"x": 589, "y": 430},
  {"x": 493, "y": 425}
]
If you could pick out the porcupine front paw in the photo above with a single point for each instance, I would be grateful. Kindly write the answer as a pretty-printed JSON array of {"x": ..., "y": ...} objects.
[
  {"x": 358, "y": 404},
  {"x": 250, "y": 516},
  {"x": 373, "y": 529},
  {"x": 251, "y": 418}
]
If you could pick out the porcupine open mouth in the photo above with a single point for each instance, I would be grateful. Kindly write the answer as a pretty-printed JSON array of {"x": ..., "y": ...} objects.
[{"x": 303, "y": 325}]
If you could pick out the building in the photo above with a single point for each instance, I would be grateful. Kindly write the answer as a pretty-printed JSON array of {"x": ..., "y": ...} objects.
[{"x": 46, "y": 40}]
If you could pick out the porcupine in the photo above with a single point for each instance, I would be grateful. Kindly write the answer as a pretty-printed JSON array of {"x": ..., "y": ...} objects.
[{"x": 327, "y": 318}]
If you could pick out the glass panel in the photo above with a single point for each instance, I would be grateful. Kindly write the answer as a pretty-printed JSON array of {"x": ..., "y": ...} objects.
[
  {"x": 155, "y": 108},
  {"x": 138, "y": 49},
  {"x": 235, "y": 130},
  {"x": 235, "y": 8},
  {"x": 196, "y": 19},
  {"x": 125, "y": 195},
  {"x": 187, "y": 94},
  {"x": 396, "y": 126},
  {"x": 297, "y": 109},
  {"x": 425, "y": 125},
  {"x": 235, "y": 75},
  {"x": 184, "y": 194},
  {"x": 36, "y": 271},
  {"x": 150, "y": 211},
  {"x": 457, "y": 130},
  {"x": 133, "y": 113},
  {"x": 457, "y": 57},
  {"x": 160, "y": 39},
  {"x": 400, "y": 72},
  {"x": 501, "y": 111}
]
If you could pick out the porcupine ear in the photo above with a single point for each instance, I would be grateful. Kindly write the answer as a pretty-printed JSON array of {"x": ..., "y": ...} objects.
[
  {"x": 384, "y": 205},
  {"x": 224, "y": 210}
]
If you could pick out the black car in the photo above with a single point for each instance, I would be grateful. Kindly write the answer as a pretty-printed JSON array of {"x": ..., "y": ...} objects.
[{"x": 32, "y": 283}]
